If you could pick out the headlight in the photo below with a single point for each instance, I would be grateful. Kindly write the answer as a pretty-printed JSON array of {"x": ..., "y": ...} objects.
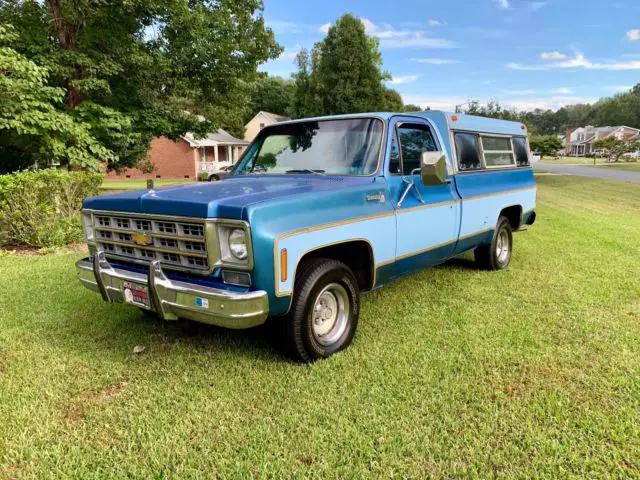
[
  {"x": 87, "y": 224},
  {"x": 238, "y": 244}
]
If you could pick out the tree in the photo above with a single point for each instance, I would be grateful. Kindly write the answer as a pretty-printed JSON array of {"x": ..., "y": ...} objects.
[
  {"x": 615, "y": 147},
  {"x": 412, "y": 108},
  {"x": 392, "y": 101},
  {"x": 547, "y": 145},
  {"x": 342, "y": 74},
  {"x": 271, "y": 94},
  {"x": 32, "y": 129},
  {"x": 138, "y": 70}
]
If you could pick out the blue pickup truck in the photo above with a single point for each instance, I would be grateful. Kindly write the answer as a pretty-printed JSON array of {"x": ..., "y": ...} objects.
[{"x": 315, "y": 212}]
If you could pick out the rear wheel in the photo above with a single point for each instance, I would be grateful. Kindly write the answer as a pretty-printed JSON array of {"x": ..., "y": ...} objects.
[
  {"x": 497, "y": 254},
  {"x": 324, "y": 312},
  {"x": 214, "y": 178}
]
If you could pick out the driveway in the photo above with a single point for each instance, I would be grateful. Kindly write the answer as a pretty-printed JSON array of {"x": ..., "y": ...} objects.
[{"x": 584, "y": 171}]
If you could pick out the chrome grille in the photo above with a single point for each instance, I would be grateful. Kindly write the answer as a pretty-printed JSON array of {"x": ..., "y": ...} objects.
[{"x": 175, "y": 243}]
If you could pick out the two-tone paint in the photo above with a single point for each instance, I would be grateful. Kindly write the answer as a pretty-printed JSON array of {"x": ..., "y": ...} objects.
[{"x": 305, "y": 213}]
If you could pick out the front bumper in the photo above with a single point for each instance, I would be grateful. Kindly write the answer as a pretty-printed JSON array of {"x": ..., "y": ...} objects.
[{"x": 172, "y": 299}]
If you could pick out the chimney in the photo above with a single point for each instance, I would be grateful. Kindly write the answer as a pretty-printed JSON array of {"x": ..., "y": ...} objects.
[{"x": 567, "y": 142}]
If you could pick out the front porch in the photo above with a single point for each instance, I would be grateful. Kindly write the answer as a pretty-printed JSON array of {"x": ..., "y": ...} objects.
[{"x": 215, "y": 157}]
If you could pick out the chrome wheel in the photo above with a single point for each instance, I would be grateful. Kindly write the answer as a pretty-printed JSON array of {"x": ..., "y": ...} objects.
[
  {"x": 503, "y": 246},
  {"x": 330, "y": 314}
]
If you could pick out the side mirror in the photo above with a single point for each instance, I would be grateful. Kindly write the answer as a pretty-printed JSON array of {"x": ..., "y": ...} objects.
[{"x": 433, "y": 168}]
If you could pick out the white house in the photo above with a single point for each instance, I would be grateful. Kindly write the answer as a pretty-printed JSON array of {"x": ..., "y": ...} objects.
[
  {"x": 261, "y": 120},
  {"x": 582, "y": 138},
  {"x": 216, "y": 150}
]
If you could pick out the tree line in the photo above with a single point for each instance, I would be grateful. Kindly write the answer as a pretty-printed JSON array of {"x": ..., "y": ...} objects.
[{"x": 82, "y": 81}]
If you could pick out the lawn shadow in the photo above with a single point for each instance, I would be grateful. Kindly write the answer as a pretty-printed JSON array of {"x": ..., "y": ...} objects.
[{"x": 114, "y": 330}]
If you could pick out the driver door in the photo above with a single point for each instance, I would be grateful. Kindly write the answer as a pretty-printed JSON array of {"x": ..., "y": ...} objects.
[{"x": 427, "y": 217}]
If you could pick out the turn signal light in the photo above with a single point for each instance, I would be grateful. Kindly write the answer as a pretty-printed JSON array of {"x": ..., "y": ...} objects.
[{"x": 283, "y": 265}]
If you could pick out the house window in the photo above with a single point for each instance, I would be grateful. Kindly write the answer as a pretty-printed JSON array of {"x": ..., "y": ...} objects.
[
  {"x": 203, "y": 154},
  {"x": 520, "y": 149},
  {"x": 467, "y": 148},
  {"x": 261, "y": 126},
  {"x": 498, "y": 151}
]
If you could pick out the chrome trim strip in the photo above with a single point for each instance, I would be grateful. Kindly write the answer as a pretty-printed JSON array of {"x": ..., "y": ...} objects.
[{"x": 285, "y": 235}]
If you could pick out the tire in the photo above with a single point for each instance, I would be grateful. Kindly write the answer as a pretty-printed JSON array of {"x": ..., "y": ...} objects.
[
  {"x": 214, "y": 178},
  {"x": 497, "y": 254},
  {"x": 329, "y": 289}
]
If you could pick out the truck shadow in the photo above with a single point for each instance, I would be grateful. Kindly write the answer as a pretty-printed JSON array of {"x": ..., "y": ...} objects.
[{"x": 116, "y": 329}]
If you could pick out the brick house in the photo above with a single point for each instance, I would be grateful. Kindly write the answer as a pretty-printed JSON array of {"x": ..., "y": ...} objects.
[{"x": 187, "y": 157}]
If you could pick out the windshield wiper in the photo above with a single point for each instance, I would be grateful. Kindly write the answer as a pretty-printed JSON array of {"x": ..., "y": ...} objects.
[{"x": 307, "y": 170}]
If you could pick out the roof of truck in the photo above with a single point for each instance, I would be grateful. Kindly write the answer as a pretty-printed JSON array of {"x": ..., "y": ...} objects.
[{"x": 442, "y": 119}]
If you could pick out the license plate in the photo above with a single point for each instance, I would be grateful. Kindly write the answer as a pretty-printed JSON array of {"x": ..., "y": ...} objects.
[{"x": 137, "y": 294}]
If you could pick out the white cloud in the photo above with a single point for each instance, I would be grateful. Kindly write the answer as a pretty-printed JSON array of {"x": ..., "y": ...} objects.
[
  {"x": 562, "y": 91},
  {"x": 633, "y": 35},
  {"x": 617, "y": 88},
  {"x": 547, "y": 103},
  {"x": 579, "y": 61},
  {"x": 404, "y": 79},
  {"x": 518, "y": 93},
  {"x": 504, "y": 4},
  {"x": 324, "y": 28},
  {"x": 485, "y": 32},
  {"x": 436, "y": 61},
  {"x": 449, "y": 103},
  {"x": 535, "y": 6},
  {"x": 436, "y": 23},
  {"x": 552, "y": 56},
  {"x": 435, "y": 102},
  {"x": 392, "y": 38}
]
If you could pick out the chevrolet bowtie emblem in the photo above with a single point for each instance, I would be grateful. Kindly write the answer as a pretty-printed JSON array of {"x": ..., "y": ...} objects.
[{"x": 142, "y": 239}]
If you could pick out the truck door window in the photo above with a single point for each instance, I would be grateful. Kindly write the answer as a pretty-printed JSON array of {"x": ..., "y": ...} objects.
[
  {"x": 520, "y": 149},
  {"x": 498, "y": 151},
  {"x": 414, "y": 139},
  {"x": 468, "y": 151}
]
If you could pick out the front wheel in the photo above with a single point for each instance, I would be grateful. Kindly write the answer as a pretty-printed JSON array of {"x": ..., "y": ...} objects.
[
  {"x": 497, "y": 254},
  {"x": 324, "y": 313}
]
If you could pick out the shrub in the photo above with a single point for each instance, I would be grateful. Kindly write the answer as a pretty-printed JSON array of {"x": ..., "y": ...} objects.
[
  {"x": 40, "y": 208},
  {"x": 203, "y": 177}
]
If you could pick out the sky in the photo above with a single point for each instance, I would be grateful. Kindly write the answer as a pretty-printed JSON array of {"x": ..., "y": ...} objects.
[{"x": 441, "y": 53}]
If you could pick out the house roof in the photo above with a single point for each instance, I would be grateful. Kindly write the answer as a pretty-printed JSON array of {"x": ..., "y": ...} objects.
[
  {"x": 219, "y": 138},
  {"x": 270, "y": 117}
]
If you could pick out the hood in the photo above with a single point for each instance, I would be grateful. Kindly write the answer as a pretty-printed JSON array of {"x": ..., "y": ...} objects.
[{"x": 225, "y": 199}]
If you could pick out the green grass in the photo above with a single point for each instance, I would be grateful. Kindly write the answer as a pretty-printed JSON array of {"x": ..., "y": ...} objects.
[
  {"x": 630, "y": 167},
  {"x": 600, "y": 162},
  {"x": 529, "y": 372},
  {"x": 140, "y": 184},
  {"x": 574, "y": 161}
]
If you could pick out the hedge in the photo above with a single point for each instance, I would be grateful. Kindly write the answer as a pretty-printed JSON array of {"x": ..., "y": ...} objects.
[{"x": 41, "y": 208}]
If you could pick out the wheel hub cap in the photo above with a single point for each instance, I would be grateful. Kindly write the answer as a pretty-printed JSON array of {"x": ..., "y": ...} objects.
[
  {"x": 502, "y": 246},
  {"x": 330, "y": 314}
]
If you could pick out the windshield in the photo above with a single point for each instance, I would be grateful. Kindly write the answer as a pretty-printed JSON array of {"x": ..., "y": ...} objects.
[{"x": 327, "y": 147}]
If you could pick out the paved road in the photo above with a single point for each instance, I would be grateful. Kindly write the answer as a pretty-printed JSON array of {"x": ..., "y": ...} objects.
[{"x": 606, "y": 173}]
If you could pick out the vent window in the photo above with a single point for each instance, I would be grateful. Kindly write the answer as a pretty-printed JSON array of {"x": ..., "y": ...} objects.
[{"x": 498, "y": 151}]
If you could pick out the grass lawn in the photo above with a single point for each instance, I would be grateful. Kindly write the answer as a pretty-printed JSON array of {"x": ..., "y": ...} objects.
[
  {"x": 140, "y": 184},
  {"x": 574, "y": 161},
  {"x": 529, "y": 372},
  {"x": 630, "y": 167}
]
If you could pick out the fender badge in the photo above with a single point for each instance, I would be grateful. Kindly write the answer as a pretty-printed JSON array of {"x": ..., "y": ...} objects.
[{"x": 142, "y": 239}]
